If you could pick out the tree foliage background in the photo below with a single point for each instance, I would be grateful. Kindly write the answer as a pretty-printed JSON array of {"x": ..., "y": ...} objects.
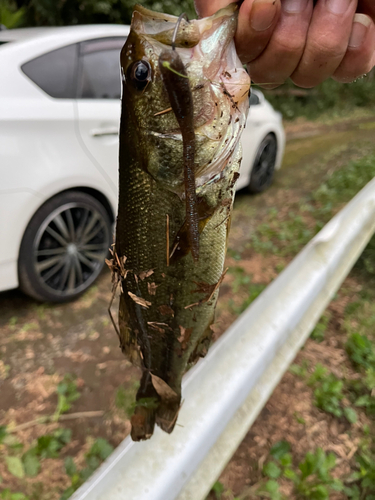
[{"x": 14, "y": 13}]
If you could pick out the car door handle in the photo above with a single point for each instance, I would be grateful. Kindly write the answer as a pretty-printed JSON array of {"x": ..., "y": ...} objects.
[{"x": 100, "y": 132}]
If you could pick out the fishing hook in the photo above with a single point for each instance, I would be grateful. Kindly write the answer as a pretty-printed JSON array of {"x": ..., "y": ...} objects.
[{"x": 178, "y": 23}]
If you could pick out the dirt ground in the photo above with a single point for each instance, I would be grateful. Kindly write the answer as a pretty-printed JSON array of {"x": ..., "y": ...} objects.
[{"x": 40, "y": 343}]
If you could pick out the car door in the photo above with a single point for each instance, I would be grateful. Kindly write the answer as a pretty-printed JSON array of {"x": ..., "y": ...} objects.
[{"x": 98, "y": 103}]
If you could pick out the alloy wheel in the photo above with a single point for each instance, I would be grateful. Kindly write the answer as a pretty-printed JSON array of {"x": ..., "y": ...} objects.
[{"x": 70, "y": 248}]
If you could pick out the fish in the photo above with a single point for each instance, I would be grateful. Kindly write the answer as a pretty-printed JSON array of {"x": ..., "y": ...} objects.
[{"x": 185, "y": 98}]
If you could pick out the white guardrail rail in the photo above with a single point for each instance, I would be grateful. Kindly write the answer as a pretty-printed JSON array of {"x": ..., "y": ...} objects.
[{"x": 224, "y": 393}]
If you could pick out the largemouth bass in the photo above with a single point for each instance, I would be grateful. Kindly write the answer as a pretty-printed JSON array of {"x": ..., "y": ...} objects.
[{"x": 184, "y": 105}]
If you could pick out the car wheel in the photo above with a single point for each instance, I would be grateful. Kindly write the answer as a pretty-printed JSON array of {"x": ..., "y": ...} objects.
[
  {"x": 264, "y": 165},
  {"x": 64, "y": 247}
]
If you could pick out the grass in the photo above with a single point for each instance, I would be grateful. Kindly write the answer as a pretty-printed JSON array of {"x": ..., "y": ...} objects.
[
  {"x": 23, "y": 463},
  {"x": 345, "y": 183},
  {"x": 329, "y": 394},
  {"x": 99, "y": 451},
  {"x": 286, "y": 234},
  {"x": 318, "y": 334},
  {"x": 311, "y": 479}
]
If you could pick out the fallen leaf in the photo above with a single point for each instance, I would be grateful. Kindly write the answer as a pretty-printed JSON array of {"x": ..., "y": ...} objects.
[
  {"x": 152, "y": 288},
  {"x": 185, "y": 336},
  {"x": 166, "y": 310},
  {"x": 145, "y": 274},
  {"x": 139, "y": 300},
  {"x": 158, "y": 326}
]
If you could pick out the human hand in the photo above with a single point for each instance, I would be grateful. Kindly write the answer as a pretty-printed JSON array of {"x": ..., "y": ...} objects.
[{"x": 278, "y": 39}]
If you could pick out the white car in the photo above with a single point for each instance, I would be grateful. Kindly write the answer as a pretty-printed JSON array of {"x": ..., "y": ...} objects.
[{"x": 59, "y": 121}]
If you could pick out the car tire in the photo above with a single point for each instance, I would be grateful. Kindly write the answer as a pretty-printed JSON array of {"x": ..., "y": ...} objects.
[
  {"x": 64, "y": 247},
  {"x": 263, "y": 170}
]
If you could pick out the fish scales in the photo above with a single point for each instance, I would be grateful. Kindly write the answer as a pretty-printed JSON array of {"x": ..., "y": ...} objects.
[{"x": 167, "y": 299}]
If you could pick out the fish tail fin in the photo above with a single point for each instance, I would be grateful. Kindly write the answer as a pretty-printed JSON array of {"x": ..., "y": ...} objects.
[
  {"x": 156, "y": 402},
  {"x": 147, "y": 404},
  {"x": 166, "y": 415},
  {"x": 143, "y": 423}
]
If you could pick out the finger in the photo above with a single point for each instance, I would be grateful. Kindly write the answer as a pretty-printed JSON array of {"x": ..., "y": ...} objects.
[
  {"x": 327, "y": 41},
  {"x": 206, "y": 8},
  {"x": 256, "y": 23},
  {"x": 284, "y": 51},
  {"x": 360, "y": 56}
]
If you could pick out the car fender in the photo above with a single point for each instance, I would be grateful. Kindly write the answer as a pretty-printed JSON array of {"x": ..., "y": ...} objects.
[{"x": 254, "y": 136}]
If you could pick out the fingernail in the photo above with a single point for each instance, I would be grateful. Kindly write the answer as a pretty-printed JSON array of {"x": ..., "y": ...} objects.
[
  {"x": 338, "y": 6},
  {"x": 361, "y": 24},
  {"x": 262, "y": 14},
  {"x": 294, "y": 6}
]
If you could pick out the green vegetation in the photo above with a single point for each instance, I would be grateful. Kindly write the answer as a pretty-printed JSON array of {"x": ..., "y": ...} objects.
[
  {"x": 240, "y": 278},
  {"x": 361, "y": 351},
  {"x": 98, "y": 452},
  {"x": 50, "y": 13},
  {"x": 285, "y": 234},
  {"x": 330, "y": 392},
  {"x": 11, "y": 16},
  {"x": 349, "y": 397},
  {"x": 23, "y": 463},
  {"x": 125, "y": 399},
  {"x": 311, "y": 479},
  {"x": 281, "y": 236},
  {"x": 362, "y": 481},
  {"x": 345, "y": 183},
  {"x": 20, "y": 462},
  {"x": 319, "y": 331},
  {"x": 27, "y": 463},
  {"x": 242, "y": 286},
  {"x": 329, "y": 97},
  {"x": 8, "y": 495},
  {"x": 329, "y": 395},
  {"x": 67, "y": 393}
]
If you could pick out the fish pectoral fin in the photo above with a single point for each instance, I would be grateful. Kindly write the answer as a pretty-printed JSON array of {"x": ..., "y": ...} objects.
[
  {"x": 156, "y": 402},
  {"x": 167, "y": 413}
]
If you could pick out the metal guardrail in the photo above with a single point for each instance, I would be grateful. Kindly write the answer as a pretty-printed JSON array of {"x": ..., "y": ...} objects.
[{"x": 225, "y": 392}]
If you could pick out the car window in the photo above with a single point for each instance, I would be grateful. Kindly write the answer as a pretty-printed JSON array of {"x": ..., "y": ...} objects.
[
  {"x": 99, "y": 69},
  {"x": 55, "y": 71}
]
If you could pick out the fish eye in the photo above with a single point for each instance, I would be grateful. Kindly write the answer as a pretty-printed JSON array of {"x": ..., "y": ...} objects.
[{"x": 140, "y": 74}]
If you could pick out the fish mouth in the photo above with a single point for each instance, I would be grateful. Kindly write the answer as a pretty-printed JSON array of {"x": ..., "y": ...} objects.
[{"x": 160, "y": 27}]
